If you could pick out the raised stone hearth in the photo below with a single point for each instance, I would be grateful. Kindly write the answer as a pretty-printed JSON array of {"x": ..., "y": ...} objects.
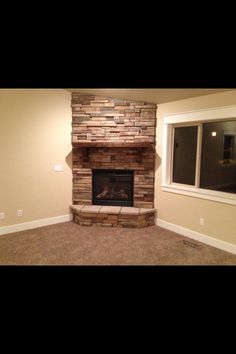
[
  {"x": 110, "y": 134},
  {"x": 113, "y": 216}
]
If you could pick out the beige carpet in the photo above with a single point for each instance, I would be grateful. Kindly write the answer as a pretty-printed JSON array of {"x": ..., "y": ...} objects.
[{"x": 71, "y": 244}]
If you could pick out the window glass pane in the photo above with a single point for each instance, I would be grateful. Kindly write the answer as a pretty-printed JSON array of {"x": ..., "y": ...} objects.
[
  {"x": 218, "y": 162},
  {"x": 184, "y": 159}
]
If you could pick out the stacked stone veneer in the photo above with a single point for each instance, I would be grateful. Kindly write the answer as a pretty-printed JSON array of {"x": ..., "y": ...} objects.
[
  {"x": 88, "y": 215},
  {"x": 107, "y": 120}
]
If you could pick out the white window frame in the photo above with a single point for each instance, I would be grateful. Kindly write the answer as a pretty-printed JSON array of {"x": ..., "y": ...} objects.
[{"x": 191, "y": 119}]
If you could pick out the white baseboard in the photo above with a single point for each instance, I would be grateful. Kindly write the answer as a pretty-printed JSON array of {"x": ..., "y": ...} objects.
[
  {"x": 211, "y": 241},
  {"x": 34, "y": 224}
]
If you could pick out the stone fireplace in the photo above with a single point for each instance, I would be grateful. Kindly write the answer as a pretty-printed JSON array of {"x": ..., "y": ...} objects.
[{"x": 113, "y": 156}]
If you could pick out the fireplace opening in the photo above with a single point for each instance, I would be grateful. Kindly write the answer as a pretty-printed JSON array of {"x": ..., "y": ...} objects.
[{"x": 113, "y": 187}]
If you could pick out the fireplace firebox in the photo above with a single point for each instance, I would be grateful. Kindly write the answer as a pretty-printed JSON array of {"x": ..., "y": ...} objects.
[{"x": 113, "y": 187}]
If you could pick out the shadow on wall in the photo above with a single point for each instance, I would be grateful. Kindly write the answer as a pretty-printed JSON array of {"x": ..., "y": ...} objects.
[
  {"x": 68, "y": 160},
  {"x": 157, "y": 161}
]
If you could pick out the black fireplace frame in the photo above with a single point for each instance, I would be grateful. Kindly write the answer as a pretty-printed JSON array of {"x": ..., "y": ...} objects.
[{"x": 113, "y": 173}]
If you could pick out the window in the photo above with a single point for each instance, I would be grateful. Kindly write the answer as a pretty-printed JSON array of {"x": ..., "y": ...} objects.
[
  {"x": 229, "y": 148},
  {"x": 218, "y": 164},
  {"x": 199, "y": 157},
  {"x": 184, "y": 156}
]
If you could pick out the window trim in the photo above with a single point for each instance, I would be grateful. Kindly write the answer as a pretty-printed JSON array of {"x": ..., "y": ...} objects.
[{"x": 189, "y": 119}]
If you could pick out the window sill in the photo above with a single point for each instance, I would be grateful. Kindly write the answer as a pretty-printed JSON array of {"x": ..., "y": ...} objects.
[{"x": 221, "y": 197}]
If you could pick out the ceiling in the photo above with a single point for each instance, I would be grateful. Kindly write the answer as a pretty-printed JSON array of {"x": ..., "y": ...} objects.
[{"x": 150, "y": 95}]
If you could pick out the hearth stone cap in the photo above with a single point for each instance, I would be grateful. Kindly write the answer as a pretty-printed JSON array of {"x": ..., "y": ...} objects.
[
  {"x": 77, "y": 207},
  {"x": 106, "y": 209},
  {"x": 146, "y": 210},
  {"x": 110, "y": 209},
  {"x": 129, "y": 210},
  {"x": 91, "y": 208}
]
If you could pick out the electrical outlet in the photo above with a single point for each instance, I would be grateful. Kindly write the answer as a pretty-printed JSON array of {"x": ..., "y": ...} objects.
[
  {"x": 2, "y": 216},
  {"x": 19, "y": 212},
  {"x": 202, "y": 221}
]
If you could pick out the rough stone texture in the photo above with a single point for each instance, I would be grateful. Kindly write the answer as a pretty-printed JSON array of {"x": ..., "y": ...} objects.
[
  {"x": 103, "y": 120},
  {"x": 113, "y": 216},
  {"x": 107, "y": 120},
  {"x": 114, "y": 158}
]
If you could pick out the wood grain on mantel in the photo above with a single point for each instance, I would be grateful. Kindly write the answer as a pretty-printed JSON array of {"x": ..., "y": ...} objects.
[{"x": 112, "y": 144}]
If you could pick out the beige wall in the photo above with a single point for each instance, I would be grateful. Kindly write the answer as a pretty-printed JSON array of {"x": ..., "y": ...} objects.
[
  {"x": 35, "y": 134},
  {"x": 220, "y": 219}
]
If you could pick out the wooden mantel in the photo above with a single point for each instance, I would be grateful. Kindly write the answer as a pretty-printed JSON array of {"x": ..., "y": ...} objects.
[
  {"x": 95, "y": 144},
  {"x": 135, "y": 144}
]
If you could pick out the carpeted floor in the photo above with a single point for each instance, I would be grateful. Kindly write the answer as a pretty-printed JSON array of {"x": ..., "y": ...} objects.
[{"x": 71, "y": 244}]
